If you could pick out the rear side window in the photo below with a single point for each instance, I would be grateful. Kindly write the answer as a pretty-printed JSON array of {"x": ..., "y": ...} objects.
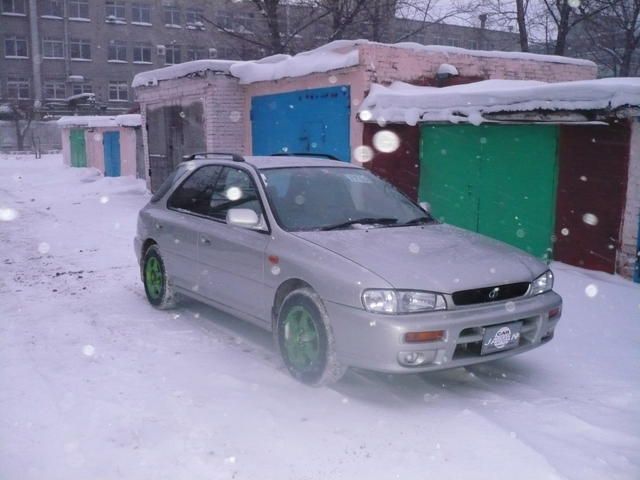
[
  {"x": 194, "y": 195},
  {"x": 234, "y": 188}
]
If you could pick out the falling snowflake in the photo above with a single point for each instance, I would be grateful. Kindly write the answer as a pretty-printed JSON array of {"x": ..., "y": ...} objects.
[
  {"x": 363, "y": 153},
  {"x": 365, "y": 115},
  {"x": 43, "y": 248},
  {"x": 230, "y": 460},
  {"x": 386, "y": 141},
  {"x": 414, "y": 248},
  {"x": 104, "y": 199},
  {"x": 510, "y": 307},
  {"x": 590, "y": 219},
  {"x": 235, "y": 116},
  {"x": 583, "y": 178},
  {"x": 520, "y": 233},
  {"x": 8, "y": 214},
  {"x": 564, "y": 231},
  {"x": 233, "y": 193},
  {"x": 333, "y": 79},
  {"x": 275, "y": 270},
  {"x": 591, "y": 290},
  {"x": 574, "y": 3},
  {"x": 89, "y": 350},
  {"x": 483, "y": 140}
]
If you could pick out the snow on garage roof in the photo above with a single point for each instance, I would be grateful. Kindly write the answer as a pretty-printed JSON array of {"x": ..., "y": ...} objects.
[
  {"x": 128, "y": 120},
  {"x": 152, "y": 77},
  {"x": 335, "y": 55},
  {"x": 403, "y": 103}
]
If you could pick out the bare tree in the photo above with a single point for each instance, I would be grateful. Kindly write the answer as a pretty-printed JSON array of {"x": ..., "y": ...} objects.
[
  {"x": 615, "y": 34},
  {"x": 21, "y": 114}
]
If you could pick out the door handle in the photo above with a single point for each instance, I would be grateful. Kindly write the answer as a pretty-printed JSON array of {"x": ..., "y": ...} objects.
[{"x": 205, "y": 241}]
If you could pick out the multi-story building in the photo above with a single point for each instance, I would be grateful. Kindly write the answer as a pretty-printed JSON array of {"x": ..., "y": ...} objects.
[{"x": 64, "y": 54}]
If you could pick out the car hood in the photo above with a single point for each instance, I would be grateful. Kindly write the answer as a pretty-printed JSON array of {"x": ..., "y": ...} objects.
[{"x": 436, "y": 257}]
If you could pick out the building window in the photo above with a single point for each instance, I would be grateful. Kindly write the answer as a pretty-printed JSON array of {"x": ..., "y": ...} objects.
[
  {"x": 52, "y": 48},
  {"x": 117, "y": 51},
  {"x": 195, "y": 53},
  {"x": 141, "y": 13},
  {"x": 193, "y": 18},
  {"x": 15, "y": 47},
  {"x": 118, "y": 91},
  {"x": 14, "y": 7},
  {"x": 172, "y": 17},
  {"x": 18, "y": 88},
  {"x": 472, "y": 44},
  {"x": 224, "y": 21},
  {"x": 52, "y": 8},
  {"x": 114, "y": 11},
  {"x": 172, "y": 54},
  {"x": 79, "y": 9},
  {"x": 80, "y": 49},
  {"x": 54, "y": 90},
  {"x": 79, "y": 88},
  {"x": 142, "y": 53}
]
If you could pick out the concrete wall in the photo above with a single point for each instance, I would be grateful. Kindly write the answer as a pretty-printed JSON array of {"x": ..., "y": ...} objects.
[
  {"x": 46, "y": 133},
  {"x": 627, "y": 253},
  {"x": 66, "y": 145}
]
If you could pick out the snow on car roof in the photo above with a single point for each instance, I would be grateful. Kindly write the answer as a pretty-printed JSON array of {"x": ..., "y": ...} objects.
[
  {"x": 403, "y": 103},
  {"x": 277, "y": 161}
]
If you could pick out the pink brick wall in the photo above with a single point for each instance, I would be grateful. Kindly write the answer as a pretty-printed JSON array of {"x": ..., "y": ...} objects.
[{"x": 385, "y": 63}]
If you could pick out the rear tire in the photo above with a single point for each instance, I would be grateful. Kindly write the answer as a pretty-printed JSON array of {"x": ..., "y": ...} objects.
[
  {"x": 155, "y": 279},
  {"x": 305, "y": 341}
]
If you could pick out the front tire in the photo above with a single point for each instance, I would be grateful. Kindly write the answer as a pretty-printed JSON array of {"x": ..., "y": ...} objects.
[
  {"x": 156, "y": 283},
  {"x": 304, "y": 338}
]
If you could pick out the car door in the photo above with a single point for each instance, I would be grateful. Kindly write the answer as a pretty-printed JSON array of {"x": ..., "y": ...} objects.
[
  {"x": 177, "y": 226},
  {"x": 232, "y": 258}
]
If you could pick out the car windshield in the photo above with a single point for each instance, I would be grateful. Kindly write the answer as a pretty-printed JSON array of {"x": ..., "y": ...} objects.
[{"x": 321, "y": 198}]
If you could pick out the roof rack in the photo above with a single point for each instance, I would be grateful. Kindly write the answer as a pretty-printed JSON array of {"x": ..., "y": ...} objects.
[
  {"x": 234, "y": 156},
  {"x": 304, "y": 154}
]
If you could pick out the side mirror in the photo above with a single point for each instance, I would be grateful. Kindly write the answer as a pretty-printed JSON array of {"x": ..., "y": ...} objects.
[
  {"x": 243, "y": 217},
  {"x": 426, "y": 206}
]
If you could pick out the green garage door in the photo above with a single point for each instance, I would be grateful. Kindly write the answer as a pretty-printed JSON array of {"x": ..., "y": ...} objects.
[{"x": 498, "y": 180}]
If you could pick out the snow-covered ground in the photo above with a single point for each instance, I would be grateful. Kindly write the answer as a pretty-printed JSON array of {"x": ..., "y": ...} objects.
[{"x": 96, "y": 384}]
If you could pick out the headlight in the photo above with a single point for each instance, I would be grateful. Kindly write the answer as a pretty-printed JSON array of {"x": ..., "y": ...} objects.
[
  {"x": 542, "y": 284},
  {"x": 402, "y": 301}
]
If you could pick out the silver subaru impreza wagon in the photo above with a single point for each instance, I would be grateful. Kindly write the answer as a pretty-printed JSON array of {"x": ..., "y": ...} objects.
[{"x": 343, "y": 268}]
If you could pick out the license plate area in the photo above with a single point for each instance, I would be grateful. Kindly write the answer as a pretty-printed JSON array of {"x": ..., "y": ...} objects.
[{"x": 499, "y": 338}]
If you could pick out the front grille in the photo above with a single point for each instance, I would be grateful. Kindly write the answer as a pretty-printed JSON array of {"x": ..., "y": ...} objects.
[{"x": 490, "y": 294}]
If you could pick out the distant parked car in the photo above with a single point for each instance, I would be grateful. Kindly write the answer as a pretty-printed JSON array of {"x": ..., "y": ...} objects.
[{"x": 341, "y": 267}]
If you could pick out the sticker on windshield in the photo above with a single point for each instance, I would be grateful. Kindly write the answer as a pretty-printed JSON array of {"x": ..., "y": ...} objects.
[{"x": 357, "y": 178}]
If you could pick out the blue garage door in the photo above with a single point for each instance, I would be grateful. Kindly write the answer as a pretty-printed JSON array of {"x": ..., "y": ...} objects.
[
  {"x": 304, "y": 121},
  {"x": 111, "y": 143}
]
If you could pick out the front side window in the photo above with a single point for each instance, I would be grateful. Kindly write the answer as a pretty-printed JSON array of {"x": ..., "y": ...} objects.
[
  {"x": 80, "y": 49},
  {"x": 52, "y": 8},
  {"x": 172, "y": 55},
  {"x": 142, "y": 53},
  {"x": 117, "y": 51},
  {"x": 141, "y": 13},
  {"x": 114, "y": 10},
  {"x": 118, "y": 91},
  {"x": 234, "y": 189},
  {"x": 52, "y": 48},
  {"x": 194, "y": 195},
  {"x": 172, "y": 16},
  {"x": 18, "y": 88},
  {"x": 16, "y": 7},
  {"x": 316, "y": 198},
  {"x": 15, "y": 46},
  {"x": 79, "y": 9},
  {"x": 54, "y": 90}
]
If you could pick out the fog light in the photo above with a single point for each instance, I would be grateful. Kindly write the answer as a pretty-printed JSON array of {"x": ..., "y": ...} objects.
[
  {"x": 420, "y": 337},
  {"x": 413, "y": 358}
]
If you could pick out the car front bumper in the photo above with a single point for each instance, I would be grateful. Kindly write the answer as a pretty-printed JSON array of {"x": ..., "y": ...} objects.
[{"x": 376, "y": 342}]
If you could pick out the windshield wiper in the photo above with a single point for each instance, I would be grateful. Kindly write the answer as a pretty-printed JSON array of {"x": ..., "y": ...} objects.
[
  {"x": 363, "y": 221},
  {"x": 417, "y": 221}
]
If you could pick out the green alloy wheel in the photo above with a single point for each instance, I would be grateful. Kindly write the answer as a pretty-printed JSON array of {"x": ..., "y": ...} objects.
[
  {"x": 305, "y": 340},
  {"x": 156, "y": 284}
]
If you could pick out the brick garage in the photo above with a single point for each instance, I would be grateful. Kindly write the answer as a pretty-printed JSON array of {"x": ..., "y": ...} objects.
[{"x": 186, "y": 109}]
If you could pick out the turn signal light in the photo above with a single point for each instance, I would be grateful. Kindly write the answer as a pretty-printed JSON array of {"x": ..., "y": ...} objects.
[
  {"x": 554, "y": 312},
  {"x": 420, "y": 337}
]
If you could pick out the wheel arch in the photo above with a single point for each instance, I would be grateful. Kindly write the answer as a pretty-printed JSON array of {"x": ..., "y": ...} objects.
[{"x": 283, "y": 290}]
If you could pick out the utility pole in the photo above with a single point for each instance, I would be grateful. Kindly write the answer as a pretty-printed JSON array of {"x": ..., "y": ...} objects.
[{"x": 36, "y": 56}]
